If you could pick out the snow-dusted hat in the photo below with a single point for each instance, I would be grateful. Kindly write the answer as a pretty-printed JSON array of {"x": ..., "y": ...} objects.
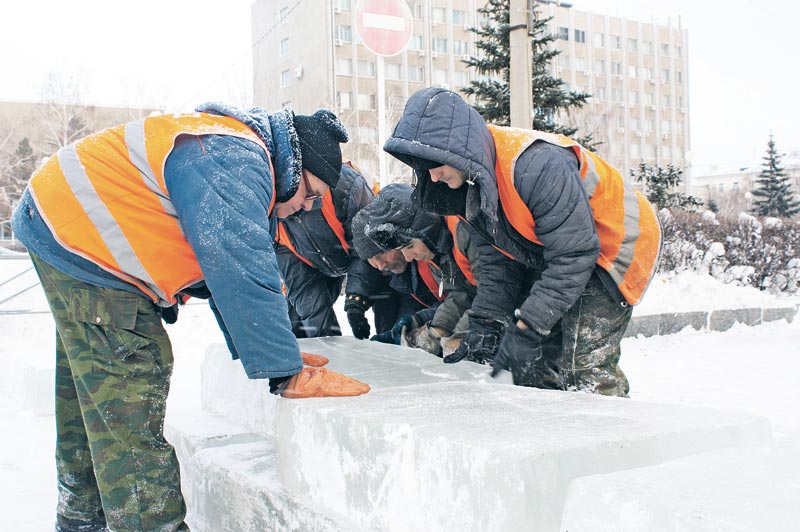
[
  {"x": 392, "y": 221},
  {"x": 320, "y": 135}
]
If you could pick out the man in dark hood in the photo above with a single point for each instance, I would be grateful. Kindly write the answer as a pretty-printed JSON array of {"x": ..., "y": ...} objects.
[{"x": 550, "y": 213}]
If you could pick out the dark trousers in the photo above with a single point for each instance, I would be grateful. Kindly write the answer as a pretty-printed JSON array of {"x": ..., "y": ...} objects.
[
  {"x": 582, "y": 351},
  {"x": 113, "y": 366}
]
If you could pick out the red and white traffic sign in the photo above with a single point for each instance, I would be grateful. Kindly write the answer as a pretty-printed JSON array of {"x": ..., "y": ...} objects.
[{"x": 384, "y": 26}]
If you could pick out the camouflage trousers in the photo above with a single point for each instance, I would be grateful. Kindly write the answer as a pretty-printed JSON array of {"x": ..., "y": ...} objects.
[
  {"x": 113, "y": 366},
  {"x": 582, "y": 351}
]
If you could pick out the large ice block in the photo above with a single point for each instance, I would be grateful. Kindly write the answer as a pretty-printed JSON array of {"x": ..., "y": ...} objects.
[{"x": 443, "y": 447}]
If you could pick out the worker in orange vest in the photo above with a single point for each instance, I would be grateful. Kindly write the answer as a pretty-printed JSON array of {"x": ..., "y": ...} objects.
[
  {"x": 551, "y": 214},
  {"x": 125, "y": 224}
]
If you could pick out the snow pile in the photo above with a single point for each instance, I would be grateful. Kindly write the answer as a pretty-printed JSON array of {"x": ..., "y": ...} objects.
[{"x": 691, "y": 291}]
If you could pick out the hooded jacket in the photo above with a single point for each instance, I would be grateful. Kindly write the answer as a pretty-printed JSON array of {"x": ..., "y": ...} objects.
[
  {"x": 220, "y": 188},
  {"x": 439, "y": 126}
]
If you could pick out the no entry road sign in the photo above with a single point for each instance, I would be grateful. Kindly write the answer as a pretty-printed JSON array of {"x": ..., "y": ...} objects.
[{"x": 384, "y": 26}]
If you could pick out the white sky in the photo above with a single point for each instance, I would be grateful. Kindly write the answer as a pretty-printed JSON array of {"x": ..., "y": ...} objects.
[{"x": 177, "y": 53}]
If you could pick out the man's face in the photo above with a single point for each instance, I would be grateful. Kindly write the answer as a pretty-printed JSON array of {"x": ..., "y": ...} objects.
[
  {"x": 416, "y": 250},
  {"x": 311, "y": 188},
  {"x": 448, "y": 175},
  {"x": 390, "y": 260}
]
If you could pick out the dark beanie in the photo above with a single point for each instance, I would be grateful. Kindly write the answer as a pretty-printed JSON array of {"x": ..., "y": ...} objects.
[
  {"x": 320, "y": 135},
  {"x": 392, "y": 221}
]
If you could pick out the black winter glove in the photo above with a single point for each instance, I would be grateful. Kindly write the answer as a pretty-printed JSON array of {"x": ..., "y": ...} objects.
[
  {"x": 392, "y": 336},
  {"x": 532, "y": 362},
  {"x": 480, "y": 343},
  {"x": 355, "y": 306}
]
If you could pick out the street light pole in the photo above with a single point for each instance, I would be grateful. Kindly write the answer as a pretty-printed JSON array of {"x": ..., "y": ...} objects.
[{"x": 520, "y": 75}]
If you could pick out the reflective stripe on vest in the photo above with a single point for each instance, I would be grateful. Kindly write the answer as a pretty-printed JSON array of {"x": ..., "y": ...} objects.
[
  {"x": 626, "y": 223},
  {"x": 461, "y": 259},
  {"x": 104, "y": 198},
  {"x": 426, "y": 274}
]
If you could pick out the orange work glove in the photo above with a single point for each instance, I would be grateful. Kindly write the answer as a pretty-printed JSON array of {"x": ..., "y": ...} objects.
[
  {"x": 310, "y": 359},
  {"x": 321, "y": 382}
]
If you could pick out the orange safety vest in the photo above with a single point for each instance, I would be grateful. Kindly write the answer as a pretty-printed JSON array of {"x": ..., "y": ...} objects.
[
  {"x": 428, "y": 278},
  {"x": 461, "y": 259},
  {"x": 104, "y": 198},
  {"x": 629, "y": 233}
]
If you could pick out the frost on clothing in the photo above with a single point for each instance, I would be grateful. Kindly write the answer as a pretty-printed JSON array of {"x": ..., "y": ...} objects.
[{"x": 221, "y": 188}]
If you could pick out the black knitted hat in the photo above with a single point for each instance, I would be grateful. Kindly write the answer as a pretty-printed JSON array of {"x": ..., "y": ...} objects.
[{"x": 320, "y": 135}]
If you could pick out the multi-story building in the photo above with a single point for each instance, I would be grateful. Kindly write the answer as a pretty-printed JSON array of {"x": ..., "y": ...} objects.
[{"x": 311, "y": 57}]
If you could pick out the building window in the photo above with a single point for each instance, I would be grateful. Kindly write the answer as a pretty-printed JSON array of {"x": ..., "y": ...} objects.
[
  {"x": 599, "y": 66},
  {"x": 649, "y": 151},
  {"x": 416, "y": 73},
  {"x": 666, "y": 100},
  {"x": 580, "y": 36},
  {"x": 344, "y": 67},
  {"x": 665, "y": 49},
  {"x": 678, "y": 50},
  {"x": 366, "y": 69},
  {"x": 343, "y": 5},
  {"x": 563, "y": 33},
  {"x": 678, "y": 76},
  {"x": 735, "y": 185},
  {"x": 461, "y": 78},
  {"x": 648, "y": 46},
  {"x": 633, "y": 45},
  {"x": 599, "y": 40},
  {"x": 600, "y": 93},
  {"x": 459, "y": 18},
  {"x": 634, "y": 123},
  {"x": 439, "y": 15},
  {"x": 393, "y": 71},
  {"x": 616, "y": 68},
  {"x": 616, "y": 42},
  {"x": 439, "y": 44},
  {"x": 344, "y": 33},
  {"x": 665, "y": 74},
  {"x": 631, "y": 71},
  {"x": 647, "y": 73},
  {"x": 665, "y": 127},
  {"x": 286, "y": 78},
  {"x": 633, "y": 97},
  {"x": 416, "y": 42},
  {"x": 649, "y": 98},
  {"x": 285, "y": 47},
  {"x": 284, "y": 14},
  {"x": 461, "y": 47},
  {"x": 417, "y": 10},
  {"x": 580, "y": 64},
  {"x": 345, "y": 100},
  {"x": 636, "y": 150},
  {"x": 440, "y": 76},
  {"x": 648, "y": 125},
  {"x": 616, "y": 94},
  {"x": 367, "y": 102}
]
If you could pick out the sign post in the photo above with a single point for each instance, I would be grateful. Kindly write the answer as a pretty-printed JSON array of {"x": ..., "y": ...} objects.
[{"x": 384, "y": 26}]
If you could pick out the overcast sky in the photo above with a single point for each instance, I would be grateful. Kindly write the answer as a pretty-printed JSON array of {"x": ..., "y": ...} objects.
[{"x": 743, "y": 59}]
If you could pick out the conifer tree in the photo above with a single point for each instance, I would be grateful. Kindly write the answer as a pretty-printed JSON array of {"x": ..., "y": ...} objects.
[
  {"x": 492, "y": 91},
  {"x": 660, "y": 184},
  {"x": 774, "y": 190}
]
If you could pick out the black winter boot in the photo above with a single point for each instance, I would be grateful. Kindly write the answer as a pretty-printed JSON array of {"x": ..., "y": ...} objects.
[{"x": 64, "y": 524}]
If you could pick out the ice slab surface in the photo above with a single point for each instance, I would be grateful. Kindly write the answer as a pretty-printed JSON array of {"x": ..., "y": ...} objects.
[{"x": 444, "y": 447}]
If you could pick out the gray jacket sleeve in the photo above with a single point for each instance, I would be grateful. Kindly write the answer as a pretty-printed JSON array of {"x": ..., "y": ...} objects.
[
  {"x": 460, "y": 294},
  {"x": 548, "y": 180}
]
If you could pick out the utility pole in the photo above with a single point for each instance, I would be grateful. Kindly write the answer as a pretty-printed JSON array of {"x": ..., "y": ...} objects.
[{"x": 520, "y": 75}]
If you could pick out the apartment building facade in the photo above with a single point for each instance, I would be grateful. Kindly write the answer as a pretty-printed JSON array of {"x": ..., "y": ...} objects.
[{"x": 307, "y": 55}]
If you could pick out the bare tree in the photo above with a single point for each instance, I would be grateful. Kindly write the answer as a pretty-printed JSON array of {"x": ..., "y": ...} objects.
[{"x": 63, "y": 118}]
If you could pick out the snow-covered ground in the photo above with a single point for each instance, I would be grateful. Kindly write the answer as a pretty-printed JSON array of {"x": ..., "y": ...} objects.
[{"x": 749, "y": 369}]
